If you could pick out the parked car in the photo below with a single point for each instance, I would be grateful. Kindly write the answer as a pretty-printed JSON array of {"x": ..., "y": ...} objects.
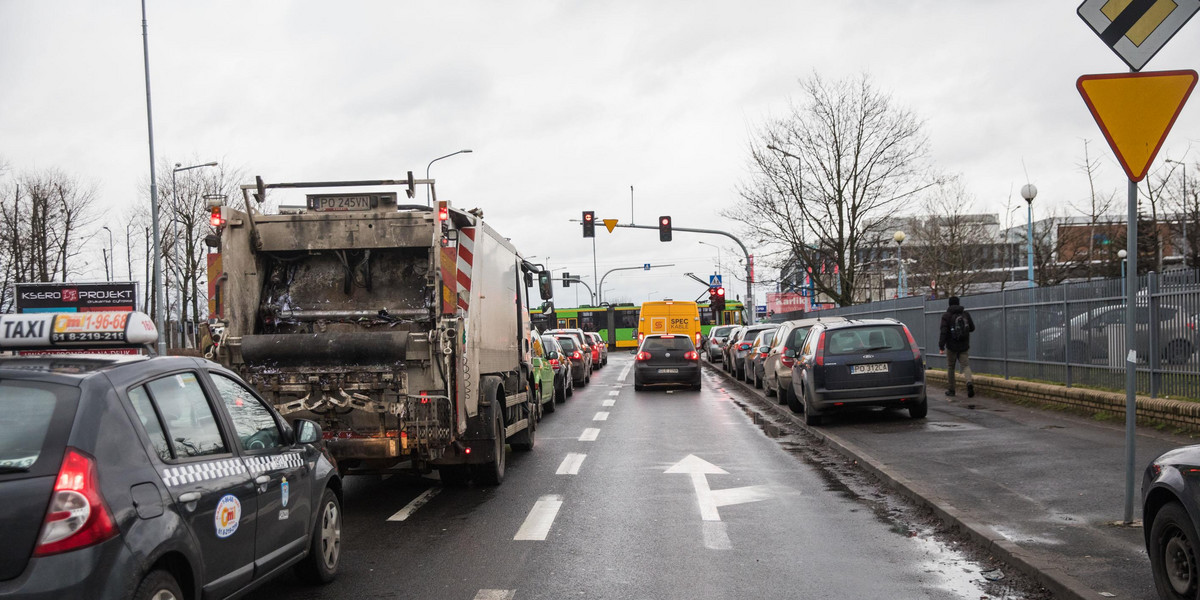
[
  {"x": 868, "y": 362},
  {"x": 666, "y": 359},
  {"x": 785, "y": 345},
  {"x": 584, "y": 346},
  {"x": 600, "y": 346},
  {"x": 1090, "y": 340},
  {"x": 1170, "y": 496},
  {"x": 581, "y": 361},
  {"x": 716, "y": 341},
  {"x": 564, "y": 384},
  {"x": 740, "y": 348},
  {"x": 727, "y": 348},
  {"x": 542, "y": 373},
  {"x": 757, "y": 355},
  {"x": 151, "y": 477}
]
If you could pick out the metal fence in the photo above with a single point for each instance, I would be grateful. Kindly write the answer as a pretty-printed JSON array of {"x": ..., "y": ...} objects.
[{"x": 1072, "y": 334}]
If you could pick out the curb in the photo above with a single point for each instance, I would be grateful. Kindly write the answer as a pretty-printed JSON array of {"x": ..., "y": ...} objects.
[{"x": 1036, "y": 568}]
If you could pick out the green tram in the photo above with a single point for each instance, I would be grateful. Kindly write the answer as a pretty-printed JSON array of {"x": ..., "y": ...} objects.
[{"x": 619, "y": 322}]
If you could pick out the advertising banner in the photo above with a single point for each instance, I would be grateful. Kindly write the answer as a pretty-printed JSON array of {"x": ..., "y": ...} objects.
[{"x": 76, "y": 297}]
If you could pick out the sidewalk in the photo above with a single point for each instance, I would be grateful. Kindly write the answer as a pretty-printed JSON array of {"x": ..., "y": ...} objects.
[{"x": 1044, "y": 490}]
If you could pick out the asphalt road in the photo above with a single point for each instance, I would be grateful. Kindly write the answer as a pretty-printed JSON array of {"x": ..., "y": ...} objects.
[{"x": 655, "y": 494}]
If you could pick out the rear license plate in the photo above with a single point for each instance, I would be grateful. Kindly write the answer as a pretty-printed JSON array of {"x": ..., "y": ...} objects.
[
  {"x": 875, "y": 368},
  {"x": 334, "y": 203},
  {"x": 668, "y": 370}
]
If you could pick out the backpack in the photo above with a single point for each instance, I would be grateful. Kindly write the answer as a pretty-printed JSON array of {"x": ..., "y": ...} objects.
[{"x": 959, "y": 327}]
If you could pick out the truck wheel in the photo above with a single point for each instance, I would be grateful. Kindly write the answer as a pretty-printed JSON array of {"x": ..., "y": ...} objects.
[
  {"x": 492, "y": 472},
  {"x": 158, "y": 585},
  {"x": 523, "y": 440},
  {"x": 325, "y": 546}
]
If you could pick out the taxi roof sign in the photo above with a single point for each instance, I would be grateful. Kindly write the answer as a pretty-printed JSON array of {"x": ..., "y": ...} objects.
[
  {"x": 76, "y": 330},
  {"x": 1135, "y": 111},
  {"x": 1137, "y": 29}
]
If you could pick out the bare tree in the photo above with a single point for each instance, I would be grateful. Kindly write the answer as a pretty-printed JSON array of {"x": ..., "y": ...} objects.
[
  {"x": 1050, "y": 253},
  {"x": 951, "y": 245},
  {"x": 1096, "y": 207},
  {"x": 1185, "y": 227},
  {"x": 1156, "y": 193},
  {"x": 827, "y": 176}
]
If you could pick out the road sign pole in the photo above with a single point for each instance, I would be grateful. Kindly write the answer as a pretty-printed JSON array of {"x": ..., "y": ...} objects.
[{"x": 1131, "y": 286}]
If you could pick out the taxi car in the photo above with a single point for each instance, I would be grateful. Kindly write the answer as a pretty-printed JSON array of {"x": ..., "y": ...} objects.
[{"x": 128, "y": 476}]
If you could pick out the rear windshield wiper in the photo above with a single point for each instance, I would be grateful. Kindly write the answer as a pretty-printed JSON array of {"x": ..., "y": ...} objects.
[
  {"x": 7, "y": 470},
  {"x": 874, "y": 348}
]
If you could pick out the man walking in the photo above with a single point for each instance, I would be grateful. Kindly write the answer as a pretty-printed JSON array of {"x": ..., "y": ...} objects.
[{"x": 955, "y": 341}]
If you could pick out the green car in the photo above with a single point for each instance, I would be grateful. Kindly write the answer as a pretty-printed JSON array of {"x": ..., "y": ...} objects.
[{"x": 542, "y": 373}]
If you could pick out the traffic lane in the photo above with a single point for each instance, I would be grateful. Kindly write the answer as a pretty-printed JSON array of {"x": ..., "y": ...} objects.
[
  {"x": 631, "y": 529},
  {"x": 461, "y": 541},
  {"x": 1051, "y": 482}
]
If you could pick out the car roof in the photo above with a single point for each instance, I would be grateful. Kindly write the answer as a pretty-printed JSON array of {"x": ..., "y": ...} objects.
[
  {"x": 810, "y": 321},
  {"x": 73, "y": 369},
  {"x": 850, "y": 323}
]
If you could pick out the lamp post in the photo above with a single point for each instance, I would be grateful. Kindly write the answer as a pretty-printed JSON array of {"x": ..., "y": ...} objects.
[
  {"x": 1029, "y": 192},
  {"x": 1121, "y": 255},
  {"x": 111, "y": 258},
  {"x": 175, "y": 230},
  {"x": 900, "y": 286},
  {"x": 720, "y": 271},
  {"x": 429, "y": 188}
]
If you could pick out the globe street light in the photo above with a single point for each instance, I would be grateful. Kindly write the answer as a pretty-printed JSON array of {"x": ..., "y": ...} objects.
[
  {"x": 429, "y": 187},
  {"x": 1121, "y": 255},
  {"x": 1028, "y": 192},
  {"x": 900, "y": 286}
]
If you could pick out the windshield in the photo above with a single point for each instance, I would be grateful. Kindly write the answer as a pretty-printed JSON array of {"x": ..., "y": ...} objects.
[
  {"x": 677, "y": 342},
  {"x": 568, "y": 343}
]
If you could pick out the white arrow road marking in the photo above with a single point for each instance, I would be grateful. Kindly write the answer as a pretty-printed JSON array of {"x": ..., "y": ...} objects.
[
  {"x": 715, "y": 536},
  {"x": 706, "y": 498},
  {"x": 417, "y": 502},
  {"x": 589, "y": 435},
  {"x": 537, "y": 525},
  {"x": 570, "y": 465},
  {"x": 609, "y": 402},
  {"x": 496, "y": 595},
  {"x": 600, "y": 416}
]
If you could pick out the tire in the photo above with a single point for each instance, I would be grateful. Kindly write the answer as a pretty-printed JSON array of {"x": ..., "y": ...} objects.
[
  {"x": 781, "y": 393},
  {"x": 560, "y": 392},
  {"x": 1177, "y": 352},
  {"x": 918, "y": 411},
  {"x": 523, "y": 441},
  {"x": 637, "y": 385},
  {"x": 1172, "y": 550},
  {"x": 325, "y": 546},
  {"x": 810, "y": 419},
  {"x": 770, "y": 388},
  {"x": 454, "y": 475},
  {"x": 158, "y": 585},
  {"x": 492, "y": 473},
  {"x": 570, "y": 385},
  {"x": 548, "y": 407},
  {"x": 758, "y": 384},
  {"x": 792, "y": 401}
]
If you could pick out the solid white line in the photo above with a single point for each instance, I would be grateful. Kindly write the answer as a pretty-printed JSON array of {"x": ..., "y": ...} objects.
[
  {"x": 589, "y": 435},
  {"x": 496, "y": 595},
  {"x": 417, "y": 502},
  {"x": 614, "y": 393},
  {"x": 570, "y": 465},
  {"x": 537, "y": 525},
  {"x": 600, "y": 416},
  {"x": 715, "y": 536},
  {"x": 609, "y": 402}
]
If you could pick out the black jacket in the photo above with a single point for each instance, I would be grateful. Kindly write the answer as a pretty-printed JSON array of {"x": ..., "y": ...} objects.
[{"x": 944, "y": 340}]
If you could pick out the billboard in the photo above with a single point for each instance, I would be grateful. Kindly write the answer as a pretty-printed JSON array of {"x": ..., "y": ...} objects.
[{"x": 76, "y": 297}]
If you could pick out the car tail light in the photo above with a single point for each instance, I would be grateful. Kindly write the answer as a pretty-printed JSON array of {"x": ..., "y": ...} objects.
[
  {"x": 643, "y": 355},
  {"x": 787, "y": 361},
  {"x": 692, "y": 355},
  {"x": 913, "y": 343},
  {"x": 821, "y": 350},
  {"x": 77, "y": 516},
  {"x": 577, "y": 355},
  {"x": 554, "y": 362},
  {"x": 641, "y": 336},
  {"x": 697, "y": 340}
]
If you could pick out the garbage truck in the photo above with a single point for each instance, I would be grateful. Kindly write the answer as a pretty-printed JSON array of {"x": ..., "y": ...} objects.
[{"x": 402, "y": 329}]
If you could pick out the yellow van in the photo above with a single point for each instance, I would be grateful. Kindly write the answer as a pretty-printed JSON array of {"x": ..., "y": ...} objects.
[{"x": 670, "y": 316}]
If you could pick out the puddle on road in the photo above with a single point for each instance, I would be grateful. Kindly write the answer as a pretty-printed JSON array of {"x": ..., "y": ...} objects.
[{"x": 950, "y": 558}]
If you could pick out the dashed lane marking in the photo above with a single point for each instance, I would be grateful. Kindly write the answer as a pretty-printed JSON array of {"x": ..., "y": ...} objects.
[
  {"x": 417, "y": 502},
  {"x": 609, "y": 402},
  {"x": 614, "y": 393},
  {"x": 496, "y": 595},
  {"x": 600, "y": 416},
  {"x": 589, "y": 435},
  {"x": 571, "y": 464},
  {"x": 537, "y": 525}
]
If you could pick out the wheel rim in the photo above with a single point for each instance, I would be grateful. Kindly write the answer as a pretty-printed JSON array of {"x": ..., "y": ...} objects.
[
  {"x": 331, "y": 535},
  {"x": 1179, "y": 562},
  {"x": 163, "y": 595}
]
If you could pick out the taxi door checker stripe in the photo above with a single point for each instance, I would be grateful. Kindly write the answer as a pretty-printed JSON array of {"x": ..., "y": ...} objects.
[
  {"x": 205, "y": 471},
  {"x": 466, "y": 259},
  {"x": 276, "y": 462}
]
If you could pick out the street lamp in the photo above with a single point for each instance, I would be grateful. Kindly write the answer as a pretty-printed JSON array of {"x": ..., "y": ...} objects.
[
  {"x": 1028, "y": 192},
  {"x": 899, "y": 238},
  {"x": 720, "y": 270},
  {"x": 175, "y": 230},
  {"x": 1121, "y": 255},
  {"x": 111, "y": 258},
  {"x": 429, "y": 187}
]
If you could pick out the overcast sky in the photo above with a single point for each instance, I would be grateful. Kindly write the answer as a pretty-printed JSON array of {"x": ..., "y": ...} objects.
[{"x": 565, "y": 104}]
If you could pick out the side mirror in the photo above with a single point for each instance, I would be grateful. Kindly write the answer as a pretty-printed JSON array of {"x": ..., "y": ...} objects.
[
  {"x": 789, "y": 353},
  {"x": 307, "y": 432},
  {"x": 545, "y": 286}
]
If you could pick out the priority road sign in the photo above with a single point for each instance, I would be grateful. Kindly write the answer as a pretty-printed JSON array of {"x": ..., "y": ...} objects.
[
  {"x": 1137, "y": 29},
  {"x": 1136, "y": 111}
]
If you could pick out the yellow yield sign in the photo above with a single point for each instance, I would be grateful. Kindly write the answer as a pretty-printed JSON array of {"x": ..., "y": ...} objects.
[
  {"x": 1136, "y": 111},
  {"x": 610, "y": 224}
]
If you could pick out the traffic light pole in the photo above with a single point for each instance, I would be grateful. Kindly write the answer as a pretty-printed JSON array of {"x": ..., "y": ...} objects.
[
  {"x": 641, "y": 268},
  {"x": 749, "y": 306},
  {"x": 581, "y": 282}
]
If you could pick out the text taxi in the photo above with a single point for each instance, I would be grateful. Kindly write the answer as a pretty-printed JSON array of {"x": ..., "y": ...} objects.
[{"x": 138, "y": 477}]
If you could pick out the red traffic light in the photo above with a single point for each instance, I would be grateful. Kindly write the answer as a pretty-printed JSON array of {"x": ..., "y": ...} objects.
[
  {"x": 217, "y": 219},
  {"x": 721, "y": 292},
  {"x": 587, "y": 216},
  {"x": 665, "y": 221}
]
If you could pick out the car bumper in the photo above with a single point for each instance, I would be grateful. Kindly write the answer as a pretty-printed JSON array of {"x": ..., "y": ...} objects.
[
  {"x": 105, "y": 571},
  {"x": 889, "y": 396},
  {"x": 687, "y": 375}
]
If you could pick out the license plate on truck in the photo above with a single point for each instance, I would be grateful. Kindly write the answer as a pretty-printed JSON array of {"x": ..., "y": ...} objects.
[
  {"x": 664, "y": 371},
  {"x": 872, "y": 368}
]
